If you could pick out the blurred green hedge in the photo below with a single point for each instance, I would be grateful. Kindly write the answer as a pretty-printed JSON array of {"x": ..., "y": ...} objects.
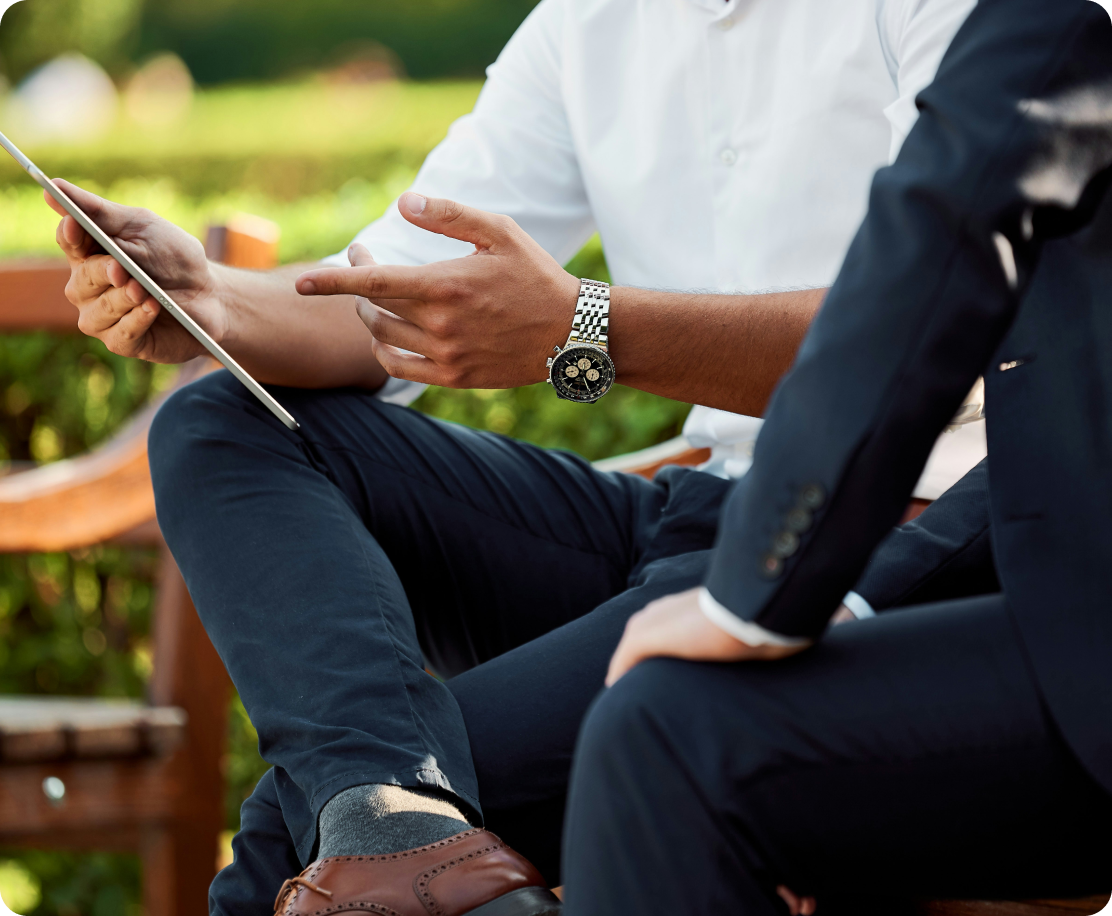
[
  {"x": 247, "y": 39},
  {"x": 224, "y": 40}
]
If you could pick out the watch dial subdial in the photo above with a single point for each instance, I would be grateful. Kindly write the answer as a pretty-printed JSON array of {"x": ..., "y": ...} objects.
[{"x": 582, "y": 373}]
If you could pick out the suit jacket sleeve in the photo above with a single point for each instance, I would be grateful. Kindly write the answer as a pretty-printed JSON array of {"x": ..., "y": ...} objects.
[
  {"x": 928, "y": 289},
  {"x": 944, "y": 553}
]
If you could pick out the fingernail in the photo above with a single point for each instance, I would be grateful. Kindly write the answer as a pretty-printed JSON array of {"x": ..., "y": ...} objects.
[
  {"x": 351, "y": 255},
  {"x": 308, "y": 288},
  {"x": 148, "y": 308},
  {"x": 415, "y": 203}
]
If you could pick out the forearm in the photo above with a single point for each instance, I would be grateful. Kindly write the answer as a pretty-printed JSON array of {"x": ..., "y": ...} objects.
[
  {"x": 283, "y": 338},
  {"x": 719, "y": 351}
]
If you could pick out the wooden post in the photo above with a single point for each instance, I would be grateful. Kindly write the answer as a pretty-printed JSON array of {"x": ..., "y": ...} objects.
[{"x": 180, "y": 859}]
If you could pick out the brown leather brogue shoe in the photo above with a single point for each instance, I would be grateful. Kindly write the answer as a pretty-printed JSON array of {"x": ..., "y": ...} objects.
[{"x": 472, "y": 872}]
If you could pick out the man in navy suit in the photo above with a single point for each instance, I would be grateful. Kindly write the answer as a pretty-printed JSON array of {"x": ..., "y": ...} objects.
[{"x": 960, "y": 748}]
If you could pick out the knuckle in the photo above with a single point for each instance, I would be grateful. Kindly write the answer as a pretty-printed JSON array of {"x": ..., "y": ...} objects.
[
  {"x": 374, "y": 287},
  {"x": 452, "y": 211},
  {"x": 441, "y": 325},
  {"x": 71, "y": 290},
  {"x": 454, "y": 378},
  {"x": 394, "y": 368},
  {"x": 450, "y": 354},
  {"x": 121, "y": 345},
  {"x": 372, "y": 318}
]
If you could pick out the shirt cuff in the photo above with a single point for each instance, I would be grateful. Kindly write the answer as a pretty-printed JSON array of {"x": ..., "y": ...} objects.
[
  {"x": 858, "y": 606},
  {"x": 749, "y": 633}
]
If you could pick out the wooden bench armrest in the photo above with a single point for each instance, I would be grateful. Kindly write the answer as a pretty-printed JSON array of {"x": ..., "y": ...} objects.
[
  {"x": 648, "y": 461},
  {"x": 34, "y": 296},
  {"x": 96, "y": 497},
  {"x": 38, "y": 729}
]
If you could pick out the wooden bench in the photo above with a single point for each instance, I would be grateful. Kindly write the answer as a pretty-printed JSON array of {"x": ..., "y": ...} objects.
[{"x": 101, "y": 774}]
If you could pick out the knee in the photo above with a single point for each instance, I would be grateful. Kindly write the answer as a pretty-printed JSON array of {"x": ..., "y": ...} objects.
[
  {"x": 640, "y": 717},
  {"x": 675, "y": 719},
  {"x": 190, "y": 431}
]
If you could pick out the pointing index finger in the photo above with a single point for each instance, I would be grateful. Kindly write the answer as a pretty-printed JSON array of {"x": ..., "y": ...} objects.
[{"x": 376, "y": 281}]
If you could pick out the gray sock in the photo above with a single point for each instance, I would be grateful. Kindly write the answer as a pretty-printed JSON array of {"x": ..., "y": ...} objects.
[{"x": 374, "y": 820}]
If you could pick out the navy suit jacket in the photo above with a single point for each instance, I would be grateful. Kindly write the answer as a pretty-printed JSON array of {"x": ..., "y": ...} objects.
[{"x": 987, "y": 249}]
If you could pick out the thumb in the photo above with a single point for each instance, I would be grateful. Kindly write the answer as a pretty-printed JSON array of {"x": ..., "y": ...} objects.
[{"x": 457, "y": 221}]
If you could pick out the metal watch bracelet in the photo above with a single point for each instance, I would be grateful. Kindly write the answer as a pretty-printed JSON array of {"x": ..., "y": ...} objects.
[{"x": 591, "y": 324}]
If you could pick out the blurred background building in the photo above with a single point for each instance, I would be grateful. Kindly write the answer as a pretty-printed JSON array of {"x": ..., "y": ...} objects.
[{"x": 312, "y": 115}]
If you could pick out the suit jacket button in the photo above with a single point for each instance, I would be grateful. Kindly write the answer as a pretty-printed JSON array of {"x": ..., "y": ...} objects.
[
  {"x": 798, "y": 520},
  {"x": 771, "y": 566},
  {"x": 785, "y": 544},
  {"x": 812, "y": 496}
]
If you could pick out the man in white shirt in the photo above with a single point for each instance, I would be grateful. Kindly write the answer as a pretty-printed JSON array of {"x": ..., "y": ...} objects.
[{"x": 722, "y": 146}]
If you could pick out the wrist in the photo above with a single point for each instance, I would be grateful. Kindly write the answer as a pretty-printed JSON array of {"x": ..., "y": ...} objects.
[
  {"x": 224, "y": 299},
  {"x": 564, "y": 313}
]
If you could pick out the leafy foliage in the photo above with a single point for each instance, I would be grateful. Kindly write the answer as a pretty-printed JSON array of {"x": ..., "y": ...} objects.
[
  {"x": 69, "y": 884},
  {"x": 33, "y": 33}
]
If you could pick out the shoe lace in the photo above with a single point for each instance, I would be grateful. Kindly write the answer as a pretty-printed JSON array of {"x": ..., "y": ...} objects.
[{"x": 290, "y": 885}]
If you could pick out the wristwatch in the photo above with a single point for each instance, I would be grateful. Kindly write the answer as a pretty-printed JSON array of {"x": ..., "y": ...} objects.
[{"x": 582, "y": 369}]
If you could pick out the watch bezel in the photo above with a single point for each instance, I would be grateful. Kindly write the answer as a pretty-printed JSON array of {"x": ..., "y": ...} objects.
[{"x": 571, "y": 348}]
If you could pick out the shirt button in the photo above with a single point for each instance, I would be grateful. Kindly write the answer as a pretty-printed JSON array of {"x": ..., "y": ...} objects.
[
  {"x": 728, "y": 156},
  {"x": 726, "y": 24}
]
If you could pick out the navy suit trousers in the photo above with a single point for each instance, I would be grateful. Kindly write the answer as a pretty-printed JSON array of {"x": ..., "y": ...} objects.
[{"x": 904, "y": 756}]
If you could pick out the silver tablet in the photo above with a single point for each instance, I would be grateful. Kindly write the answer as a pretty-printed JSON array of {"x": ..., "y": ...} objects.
[{"x": 149, "y": 285}]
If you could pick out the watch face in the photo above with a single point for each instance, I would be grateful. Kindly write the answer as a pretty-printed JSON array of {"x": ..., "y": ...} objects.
[{"x": 582, "y": 373}]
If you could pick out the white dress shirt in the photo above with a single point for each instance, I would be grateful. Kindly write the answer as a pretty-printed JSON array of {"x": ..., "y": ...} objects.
[{"x": 715, "y": 145}]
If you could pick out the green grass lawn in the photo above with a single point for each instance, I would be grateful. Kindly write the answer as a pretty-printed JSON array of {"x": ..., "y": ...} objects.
[{"x": 322, "y": 161}]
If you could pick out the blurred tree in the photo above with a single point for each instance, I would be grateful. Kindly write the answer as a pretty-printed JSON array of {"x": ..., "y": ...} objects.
[
  {"x": 36, "y": 31},
  {"x": 251, "y": 39}
]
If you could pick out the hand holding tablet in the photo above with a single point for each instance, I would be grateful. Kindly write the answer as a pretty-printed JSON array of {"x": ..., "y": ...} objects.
[{"x": 128, "y": 309}]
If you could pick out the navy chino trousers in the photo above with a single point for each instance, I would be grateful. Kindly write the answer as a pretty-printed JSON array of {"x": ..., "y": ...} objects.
[{"x": 331, "y": 565}]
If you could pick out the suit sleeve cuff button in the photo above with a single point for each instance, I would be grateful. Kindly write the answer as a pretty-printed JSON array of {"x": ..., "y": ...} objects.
[{"x": 812, "y": 497}]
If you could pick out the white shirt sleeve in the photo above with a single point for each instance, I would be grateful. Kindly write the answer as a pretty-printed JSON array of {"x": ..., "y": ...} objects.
[
  {"x": 858, "y": 606},
  {"x": 512, "y": 155},
  {"x": 749, "y": 633},
  {"x": 915, "y": 35}
]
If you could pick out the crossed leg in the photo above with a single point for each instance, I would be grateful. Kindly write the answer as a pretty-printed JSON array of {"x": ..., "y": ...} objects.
[
  {"x": 904, "y": 756},
  {"x": 329, "y": 565}
]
